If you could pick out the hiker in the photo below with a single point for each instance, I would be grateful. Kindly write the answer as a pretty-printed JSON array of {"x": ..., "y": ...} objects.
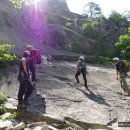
[
  {"x": 26, "y": 87},
  {"x": 32, "y": 62},
  {"x": 49, "y": 58},
  {"x": 81, "y": 68},
  {"x": 121, "y": 75}
]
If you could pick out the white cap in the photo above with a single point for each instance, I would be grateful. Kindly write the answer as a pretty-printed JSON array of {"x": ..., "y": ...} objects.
[
  {"x": 116, "y": 59},
  {"x": 29, "y": 46},
  {"x": 81, "y": 58}
]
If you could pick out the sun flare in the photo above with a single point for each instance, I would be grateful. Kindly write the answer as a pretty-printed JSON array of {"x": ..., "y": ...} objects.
[
  {"x": 35, "y": 1},
  {"x": 31, "y": 1}
]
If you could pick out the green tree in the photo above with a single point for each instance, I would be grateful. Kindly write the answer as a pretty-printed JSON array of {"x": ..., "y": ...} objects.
[
  {"x": 123, "y": 46},
  {"x": 117, "y": 18},
  {"x": 92, "y": 10},
  {"x": 90, "y": 31},
  {"x": 127, "y": 15}
]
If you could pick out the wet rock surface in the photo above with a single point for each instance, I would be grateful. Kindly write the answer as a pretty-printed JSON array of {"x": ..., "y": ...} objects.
[{"x": 56, "y": 94}]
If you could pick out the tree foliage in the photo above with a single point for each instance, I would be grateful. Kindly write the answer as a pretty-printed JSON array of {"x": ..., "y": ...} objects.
[
  {"x": 127, "y": 15},
  {"x": 3, "y": 98},
  {"x": 6, "y": 57},
  {"x": 16, "y": 3},
  {"x": 19, "y": 3},
  {"x": 117, "y": 18},
  {"x": 78, "y": 47},
  {"x": 123, "y": 46},
  {"x": 69, "y": 25},
  {"x": 92, "y": 10},
  {"x": 90, "y": 31}
]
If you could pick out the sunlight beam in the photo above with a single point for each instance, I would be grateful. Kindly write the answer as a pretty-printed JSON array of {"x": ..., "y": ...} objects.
[{"x": 35, "y": 1}]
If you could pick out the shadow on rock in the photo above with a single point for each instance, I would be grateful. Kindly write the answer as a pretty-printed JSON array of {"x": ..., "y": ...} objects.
[
  {"x": 38, "y": 102},
  {"x": 7, "y": 76},
  {"x": 94, "y": 97}
]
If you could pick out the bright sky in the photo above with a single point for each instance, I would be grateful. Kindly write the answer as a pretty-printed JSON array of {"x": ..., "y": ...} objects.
[{"x": 106, "y": 5}]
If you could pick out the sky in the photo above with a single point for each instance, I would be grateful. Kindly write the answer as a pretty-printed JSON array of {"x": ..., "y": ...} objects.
[{"x": 106, "y": 5}]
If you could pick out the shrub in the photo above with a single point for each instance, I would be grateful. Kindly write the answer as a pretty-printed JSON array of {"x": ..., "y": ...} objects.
[
  {"x": 16, "y": 3},
  {"x": 3, "y": 97},
  {"x": 6, "y": 57},
  {"x": 86, "y": 25},
  {"x": 2, "y": 109},
  {"x": 109, "y": 53},
  {"x": 76, "y": 47},
  {"x": 123, "y": 46},
  {"x": 69, "y": 25},
  {"x": 129, "y": 29},
  {"x": 17, "y": 115},
  {"x": 95, "y": 23},
  {"x": 105, "y": 62}
]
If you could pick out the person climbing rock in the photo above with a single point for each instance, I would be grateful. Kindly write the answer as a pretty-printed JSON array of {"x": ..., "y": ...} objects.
[
  {"x": 81, "y": 68},
  {"x": 121, "y": 75},
  {"x": 26, "y": 88},
  {"x": 32, "y": 62}
]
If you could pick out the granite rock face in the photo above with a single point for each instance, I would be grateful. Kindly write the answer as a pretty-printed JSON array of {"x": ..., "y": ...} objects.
[
  {"x": 42, "y": 26},
  {"x": 57, "y": 95}
]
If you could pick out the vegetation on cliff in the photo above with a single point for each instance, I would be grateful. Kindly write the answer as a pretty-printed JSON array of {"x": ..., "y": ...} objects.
[{"x": 6, "y": 57}]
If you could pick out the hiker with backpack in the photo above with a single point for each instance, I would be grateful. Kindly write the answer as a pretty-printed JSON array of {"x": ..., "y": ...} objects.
[
  {"x": 81, "y": 68},
  {"x": 26, "y": 88},
  {"x": 121, "y": 75},
  {"x": 35, "y": 58}
]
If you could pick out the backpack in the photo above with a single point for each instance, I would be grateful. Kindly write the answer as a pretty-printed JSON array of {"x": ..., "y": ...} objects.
[
  {"x": 38, "y": 57},
  {"x": 126, "y": 65},
  {"x": 82, "y": 64}
]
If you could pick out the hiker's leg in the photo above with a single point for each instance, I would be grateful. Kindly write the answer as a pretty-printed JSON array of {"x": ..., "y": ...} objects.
[
  {"x": 29, "y": 89},
  {"x": 33, "y": 74},
  {"x": 32, "y": 69},
  {"x": 76, "y": 76},
  {"x": 122, "y": 86},
  {"x": 125, "y": 85},
  {"x": 22, "y": 90},
  {"x": 85, "y": 79}
]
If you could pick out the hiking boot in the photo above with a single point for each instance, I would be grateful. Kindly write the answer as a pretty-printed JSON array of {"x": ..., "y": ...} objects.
[
  {"x": 21, "y": 106},
  {"x": 126, "y": 94},
  {"x": 34, "y": 83},
  {"x": 77, "y": 82},
  {"x": 86, "y": 86},
  {"x": 27, "y": 103}
]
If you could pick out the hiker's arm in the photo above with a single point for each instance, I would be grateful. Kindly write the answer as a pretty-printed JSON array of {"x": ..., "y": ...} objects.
[
  {"x": 24, "y": 66},
  {"x": 78, "y": 66},
  {"x": 117, "y": 75}
]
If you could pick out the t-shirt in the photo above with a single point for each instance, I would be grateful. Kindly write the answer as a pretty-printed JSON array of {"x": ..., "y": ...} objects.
[
  {"x": 21, "y": 69},
  {"x": 23, "y": 59},
  {"x": 22, "y": 75}
]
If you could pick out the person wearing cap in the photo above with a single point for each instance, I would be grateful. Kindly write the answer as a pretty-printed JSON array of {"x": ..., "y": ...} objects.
[
  {"x": 121, "y": 75},
  {"x": 26, "y": 88},
  {"x": 81, "y": 68},
  {"x": 32, "y": 62}
]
